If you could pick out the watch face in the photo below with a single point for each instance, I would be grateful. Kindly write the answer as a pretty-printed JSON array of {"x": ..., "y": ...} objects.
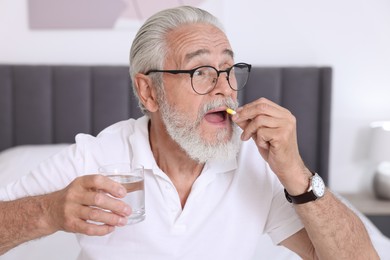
[{"x": 318, "y": 186}]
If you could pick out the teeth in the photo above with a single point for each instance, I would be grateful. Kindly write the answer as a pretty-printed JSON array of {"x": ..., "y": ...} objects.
[{"x": 231, "y": 111}]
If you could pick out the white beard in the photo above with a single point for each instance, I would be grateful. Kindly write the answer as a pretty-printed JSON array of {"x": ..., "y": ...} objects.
[{"x": 187, "y": 134}]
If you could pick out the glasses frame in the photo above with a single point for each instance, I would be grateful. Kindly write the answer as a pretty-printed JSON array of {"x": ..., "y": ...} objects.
[{"x": 192, "y": 71}]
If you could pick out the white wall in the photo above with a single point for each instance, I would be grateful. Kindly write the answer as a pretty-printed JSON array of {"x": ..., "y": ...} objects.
[{"x": 352, "y": 36}]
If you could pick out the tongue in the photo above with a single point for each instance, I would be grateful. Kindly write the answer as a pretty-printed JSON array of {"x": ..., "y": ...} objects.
[{"x": 214, "y": 117}]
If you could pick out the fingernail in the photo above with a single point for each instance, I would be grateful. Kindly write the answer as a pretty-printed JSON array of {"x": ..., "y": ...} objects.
[
  {"x": 127, "y": 211},
  {"x": 122, "y": 222},
  {"x": 122, "y": 191}
]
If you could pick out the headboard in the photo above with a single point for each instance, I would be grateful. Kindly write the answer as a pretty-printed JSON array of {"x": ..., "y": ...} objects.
[{"x": 43, "y": 104}]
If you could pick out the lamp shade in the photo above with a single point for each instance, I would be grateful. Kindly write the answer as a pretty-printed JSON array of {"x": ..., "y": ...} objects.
[{"x": 380, "y": 142}]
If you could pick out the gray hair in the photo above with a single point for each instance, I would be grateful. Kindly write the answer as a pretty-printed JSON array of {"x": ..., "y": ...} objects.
[{"x": 149, "y": 47}]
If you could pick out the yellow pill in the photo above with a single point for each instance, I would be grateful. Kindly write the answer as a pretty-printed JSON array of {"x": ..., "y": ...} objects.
[{"x": 231, "y": 111}]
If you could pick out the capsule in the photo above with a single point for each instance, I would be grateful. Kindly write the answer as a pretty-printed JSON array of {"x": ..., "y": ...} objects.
[{"x": 231, "y": 111}]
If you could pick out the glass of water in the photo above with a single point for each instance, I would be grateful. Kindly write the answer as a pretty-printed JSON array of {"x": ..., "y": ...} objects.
[{"x": 132, "y": 178}]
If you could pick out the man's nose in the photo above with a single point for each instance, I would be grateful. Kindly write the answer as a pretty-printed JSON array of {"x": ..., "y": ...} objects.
[{"x": 222, "y": 87}]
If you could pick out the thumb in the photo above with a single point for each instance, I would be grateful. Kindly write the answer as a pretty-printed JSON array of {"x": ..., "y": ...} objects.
[{"x": 241, "y": 123}]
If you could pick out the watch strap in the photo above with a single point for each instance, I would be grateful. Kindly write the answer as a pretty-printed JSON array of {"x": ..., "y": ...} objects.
[
  {"x": 308, "y": 196},
  {"x": 300, "y": 199}
]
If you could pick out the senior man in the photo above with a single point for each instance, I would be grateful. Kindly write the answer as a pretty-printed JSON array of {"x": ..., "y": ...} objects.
[{"x": 213, "y": 182}]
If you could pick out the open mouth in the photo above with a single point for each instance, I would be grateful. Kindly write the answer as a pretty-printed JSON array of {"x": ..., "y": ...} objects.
[{"x": 216, "y": 116}]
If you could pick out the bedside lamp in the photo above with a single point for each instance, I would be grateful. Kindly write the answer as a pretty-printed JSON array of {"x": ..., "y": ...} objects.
[{"x": 380, "y": 155}]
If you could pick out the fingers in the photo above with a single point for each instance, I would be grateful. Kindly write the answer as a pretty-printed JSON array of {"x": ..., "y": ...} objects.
[
  {"x": 255, "y": 118},
  {"x": 79, "y": 218},
  {"x": 96, "y": 188},
  {"x": 100, "y": 182},
  {"x": 261, "y": 106},
  {"x": 273, "y": 128},
  {"x": 258, "y": 127},
  {"x": 90, "y": 198},
  {"x": 100, "y": 199},
  {"x": 76, "y": 225},
  {"x": 101, "y": 216}
]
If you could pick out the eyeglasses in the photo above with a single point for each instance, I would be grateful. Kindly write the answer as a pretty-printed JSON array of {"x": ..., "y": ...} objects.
[{"x": 205, "y": 78}]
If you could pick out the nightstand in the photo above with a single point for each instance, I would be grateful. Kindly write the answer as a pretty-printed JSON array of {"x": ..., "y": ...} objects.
[{"x": 378, "y": 211}]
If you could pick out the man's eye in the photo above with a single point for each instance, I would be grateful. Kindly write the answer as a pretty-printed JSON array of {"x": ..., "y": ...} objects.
[
  {"x": 205, "y": 72},
  {"x": 200, "y": 72},
  {"x": 197, "y": 73}
]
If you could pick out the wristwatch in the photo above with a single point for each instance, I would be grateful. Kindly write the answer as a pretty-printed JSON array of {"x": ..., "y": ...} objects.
[{"x": 315, "y": 191}]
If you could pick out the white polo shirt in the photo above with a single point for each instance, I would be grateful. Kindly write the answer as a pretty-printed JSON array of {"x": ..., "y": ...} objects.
[{"x": 230, "y": 205}]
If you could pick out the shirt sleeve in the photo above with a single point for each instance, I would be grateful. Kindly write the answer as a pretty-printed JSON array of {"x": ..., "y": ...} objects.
[
  {"x": 282, "y": 220},
  {"x": 51, "y": 175},
  {"x": 81, "y": 158}
]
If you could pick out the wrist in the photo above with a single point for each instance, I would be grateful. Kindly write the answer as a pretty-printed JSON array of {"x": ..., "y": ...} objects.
[
  {"x": 298, "y": 183},
  {"x": 315, "y": 191},
  {"x": 46, "y": 223}
]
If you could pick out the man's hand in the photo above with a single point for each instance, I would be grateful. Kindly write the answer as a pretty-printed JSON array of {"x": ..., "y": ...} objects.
[
  {"x": 335, "y": 232},
  {"x": 87, "y": 198},
  {"x": 273, "y": 128},
  {"x": 84, "y": 200}
]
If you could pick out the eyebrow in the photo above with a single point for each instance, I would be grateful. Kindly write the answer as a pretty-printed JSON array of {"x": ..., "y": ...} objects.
[{"x": 200, "y": 52}]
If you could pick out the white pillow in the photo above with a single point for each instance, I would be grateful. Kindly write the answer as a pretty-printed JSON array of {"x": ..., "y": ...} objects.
[{"x": 19, "y": 160}]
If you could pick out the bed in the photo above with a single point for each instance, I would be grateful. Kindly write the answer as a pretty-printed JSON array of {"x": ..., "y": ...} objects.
[{"x": 42, "y": 108}]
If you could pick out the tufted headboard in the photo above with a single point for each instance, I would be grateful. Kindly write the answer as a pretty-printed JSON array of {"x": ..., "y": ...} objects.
[{"x": 50, "y": 104}]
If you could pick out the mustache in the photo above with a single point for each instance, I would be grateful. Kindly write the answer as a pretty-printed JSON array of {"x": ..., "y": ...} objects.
[{"x": 228, "y": 102}]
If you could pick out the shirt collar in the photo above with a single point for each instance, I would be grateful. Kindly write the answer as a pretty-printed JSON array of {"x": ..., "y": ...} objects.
[{"x": 139, "y": 140}]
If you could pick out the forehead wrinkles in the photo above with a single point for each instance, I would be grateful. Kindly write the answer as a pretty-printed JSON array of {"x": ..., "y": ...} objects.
[{"x": 191, "y": 41}]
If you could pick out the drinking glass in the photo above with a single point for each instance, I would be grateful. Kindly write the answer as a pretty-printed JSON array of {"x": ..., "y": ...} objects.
[{"x": 132, "y": 178}]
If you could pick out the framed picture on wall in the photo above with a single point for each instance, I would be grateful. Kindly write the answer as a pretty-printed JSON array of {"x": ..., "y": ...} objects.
[{"x": 96, "y": 14}]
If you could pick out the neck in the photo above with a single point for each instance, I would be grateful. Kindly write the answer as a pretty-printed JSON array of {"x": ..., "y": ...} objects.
[{"x": 172, "y": 160}]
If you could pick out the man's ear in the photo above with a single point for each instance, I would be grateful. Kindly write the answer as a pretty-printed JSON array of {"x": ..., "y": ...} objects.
[{"x": 146, "y": 92}]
